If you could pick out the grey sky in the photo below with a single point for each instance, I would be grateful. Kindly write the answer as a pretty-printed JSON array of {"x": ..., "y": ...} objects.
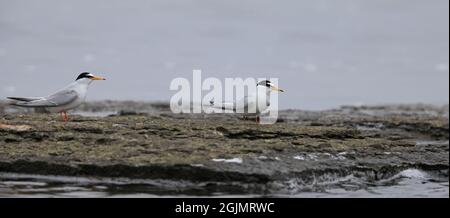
[{"x": 326, "y": 53}]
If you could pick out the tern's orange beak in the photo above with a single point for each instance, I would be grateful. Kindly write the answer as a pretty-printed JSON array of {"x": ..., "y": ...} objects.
[
  {"x": 274, "y": 88},
  {"x": 97, "y": 78}
]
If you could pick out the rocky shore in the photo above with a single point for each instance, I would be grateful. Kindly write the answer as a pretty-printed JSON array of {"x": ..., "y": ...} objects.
[{"x": 223, "y": 152}]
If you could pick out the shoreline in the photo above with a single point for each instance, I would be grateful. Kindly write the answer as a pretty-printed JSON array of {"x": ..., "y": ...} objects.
[{"x": 305, "y": 146}]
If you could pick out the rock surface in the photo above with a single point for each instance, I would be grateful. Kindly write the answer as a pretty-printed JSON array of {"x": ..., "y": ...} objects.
[{"x": 302, "y": 148}]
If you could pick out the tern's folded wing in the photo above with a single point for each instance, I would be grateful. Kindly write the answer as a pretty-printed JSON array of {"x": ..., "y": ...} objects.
[
  {"x": 227, "y": 106},
  {"x": 27, "y": 99},
  {"x": 58, "y": 99}
]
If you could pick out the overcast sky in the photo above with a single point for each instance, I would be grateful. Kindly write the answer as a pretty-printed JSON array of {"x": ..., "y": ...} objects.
[{"x": 326, "y": 53}]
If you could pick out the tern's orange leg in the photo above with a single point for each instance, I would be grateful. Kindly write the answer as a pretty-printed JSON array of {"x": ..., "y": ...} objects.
[{"x": 66, "y": 117}]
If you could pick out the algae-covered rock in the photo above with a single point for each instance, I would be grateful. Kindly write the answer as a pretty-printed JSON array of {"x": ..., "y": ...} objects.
[{"x": 222, "y": 148}]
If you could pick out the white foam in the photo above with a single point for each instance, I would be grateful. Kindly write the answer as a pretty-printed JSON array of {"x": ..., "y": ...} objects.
[
  {"x": 312, "y": 156},
  {"x": 263, "y": 157},
  {"x": 234, "y": 160},
  {"x": 299, "y": 157},
  {"x": 414, "y": 174},
  {"x": 25, "y": 183},
  {"x": 338, "y": 157}
]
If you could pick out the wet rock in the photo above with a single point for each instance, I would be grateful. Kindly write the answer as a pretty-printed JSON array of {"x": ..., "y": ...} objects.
[
  {"x": 11, "y": 140},
  {"x": 66, "y": 138},
  {"x": 130, "y": 113},
  {"x": 379, "y": 146},
  {"x": 306, "y": 145},
  {"x": 104, "y": 141},
  {"x": 90, "y": 130},
  {"x": 16, "y": 128}
]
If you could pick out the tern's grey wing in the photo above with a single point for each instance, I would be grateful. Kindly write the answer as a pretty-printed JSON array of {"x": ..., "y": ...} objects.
[
  {"x": 60, "y": 98},
  {"x": 27, "y": 99},
  {"x": 227, "y": 106},
  {"x": 63, "y": 97}
]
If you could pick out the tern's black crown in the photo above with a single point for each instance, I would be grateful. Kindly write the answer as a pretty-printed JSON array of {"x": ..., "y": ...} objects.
[
  {"x": 265, "y": 83},
  {"x": 84, "y": 75}
]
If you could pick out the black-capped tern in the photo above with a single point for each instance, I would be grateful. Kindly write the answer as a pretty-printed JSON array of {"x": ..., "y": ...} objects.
[
  {"x": 62, "y": 101},
  {"x": 253, "y": 104}
]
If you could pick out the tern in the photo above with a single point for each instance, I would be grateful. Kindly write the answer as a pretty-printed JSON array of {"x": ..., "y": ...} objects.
[
  {"x": 253, "y": 104},
  {"x": 62, "y": 101}
]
